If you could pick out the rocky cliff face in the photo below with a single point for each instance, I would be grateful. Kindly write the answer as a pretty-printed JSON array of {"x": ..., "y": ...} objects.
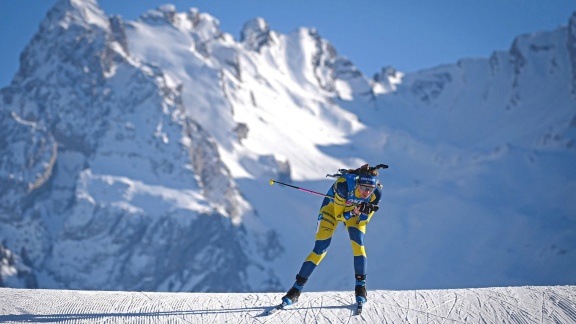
[{"x": 93, "y": 144}]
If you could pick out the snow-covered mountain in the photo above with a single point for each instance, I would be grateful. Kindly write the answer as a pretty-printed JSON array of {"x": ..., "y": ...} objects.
[{"x": 136, "y": 155}]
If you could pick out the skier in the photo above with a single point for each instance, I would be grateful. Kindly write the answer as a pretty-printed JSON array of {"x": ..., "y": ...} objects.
[{"x": 356, "y": 197}]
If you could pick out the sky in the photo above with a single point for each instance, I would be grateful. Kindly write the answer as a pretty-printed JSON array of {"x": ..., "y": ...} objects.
[{"x": 407, "y": 35}]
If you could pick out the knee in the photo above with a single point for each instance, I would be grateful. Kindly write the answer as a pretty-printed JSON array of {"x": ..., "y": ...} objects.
[
  {"x": 356, "y": 235},
  {"x": 321, "y": 246}
]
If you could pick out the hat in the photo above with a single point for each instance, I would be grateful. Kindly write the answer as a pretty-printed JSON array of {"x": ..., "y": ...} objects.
[{"x": 367, "y": 180}]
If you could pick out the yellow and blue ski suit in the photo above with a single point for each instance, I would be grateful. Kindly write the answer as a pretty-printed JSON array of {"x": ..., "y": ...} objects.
[{"x": 337, "y": 210}]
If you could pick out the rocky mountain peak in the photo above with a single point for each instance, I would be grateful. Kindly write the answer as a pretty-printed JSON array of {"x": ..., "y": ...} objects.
[
  {"x": 255, "y": 34},
  {"x": 66, "y": 13}
]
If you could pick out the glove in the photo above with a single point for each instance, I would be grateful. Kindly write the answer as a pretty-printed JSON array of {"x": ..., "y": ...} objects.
[{"x": 367, "y": 208}]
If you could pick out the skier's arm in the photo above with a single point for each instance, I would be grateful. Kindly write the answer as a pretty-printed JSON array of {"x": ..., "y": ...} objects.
[
  {"x": 367, "y": 210},
  {"x": 340, "y": 189}
]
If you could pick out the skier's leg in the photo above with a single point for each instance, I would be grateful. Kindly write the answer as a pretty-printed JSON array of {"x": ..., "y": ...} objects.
[
  {"x": 356, "y": 233},
  {"x": 326, "y": 226}
]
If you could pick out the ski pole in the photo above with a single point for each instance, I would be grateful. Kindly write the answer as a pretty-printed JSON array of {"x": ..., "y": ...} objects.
[{"x": 272, "y": 181}]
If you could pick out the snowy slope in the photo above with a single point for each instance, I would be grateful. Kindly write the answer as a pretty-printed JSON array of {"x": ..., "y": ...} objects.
[
  {"x": 140, "y": 154},
  {"x": 487, "y": 305}
]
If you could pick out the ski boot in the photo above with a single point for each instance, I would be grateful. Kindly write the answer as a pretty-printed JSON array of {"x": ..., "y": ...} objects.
[
  {"x": 360, "y": 289},
  {"x": 292, "y": 295}
]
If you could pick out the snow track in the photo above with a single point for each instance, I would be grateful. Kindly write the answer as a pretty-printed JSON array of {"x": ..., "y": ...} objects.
[{"x": 550, "y": 304}]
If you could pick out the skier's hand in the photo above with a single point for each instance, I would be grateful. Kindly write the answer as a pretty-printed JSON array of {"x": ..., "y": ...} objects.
[
  {"x": 353, "y": 213},
  {"x": 367, "y": 208}
]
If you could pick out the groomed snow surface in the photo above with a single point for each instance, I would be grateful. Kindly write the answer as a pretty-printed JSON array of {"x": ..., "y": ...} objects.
[{"x": 530, "y": 304}]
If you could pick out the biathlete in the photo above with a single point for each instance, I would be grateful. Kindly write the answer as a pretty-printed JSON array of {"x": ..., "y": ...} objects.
[{"x": 356, "y": 195}]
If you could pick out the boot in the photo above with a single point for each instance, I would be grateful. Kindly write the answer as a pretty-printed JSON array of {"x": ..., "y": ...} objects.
[
  {"x": 360, "y": 289},
  {"x": 292, "y": 295}
]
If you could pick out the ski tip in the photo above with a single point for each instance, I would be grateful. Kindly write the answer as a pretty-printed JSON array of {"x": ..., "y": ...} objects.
[
  {"x": 271, "y": 181},
  {"x": 277, "y": 308}
]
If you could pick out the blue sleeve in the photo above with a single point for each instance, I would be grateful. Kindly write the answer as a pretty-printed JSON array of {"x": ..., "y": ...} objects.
[{"x": 340, "y": 188}]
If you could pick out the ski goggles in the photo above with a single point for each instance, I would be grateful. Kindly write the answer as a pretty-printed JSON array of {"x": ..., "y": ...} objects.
[{"x": 366, "y": 188}]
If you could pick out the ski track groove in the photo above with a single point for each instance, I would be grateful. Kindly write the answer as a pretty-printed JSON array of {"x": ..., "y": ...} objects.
[
  {"x": 511, "y": 308},
  {"x": 379, "y": 311},
  {"x": 542, "y": 307},
  {"x": 301, "y": 306},
  {"x": 316, "y": 312},
  {"x": 123, "y": 305},
  {"x": 404, "y": 312},
  {"x": 333, "y": 309},
  {"x": 473, "y": 306},
  {"x": 566, "y": 305},
  {"x": 454, "y": 302},
  {"x": 250, "y": 301},
  {"x": 172, "y": 312},
  {"x": 487, "y": 307}
]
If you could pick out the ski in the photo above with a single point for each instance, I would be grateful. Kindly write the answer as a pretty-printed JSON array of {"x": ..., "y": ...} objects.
[
  {"x": 277, "y": 308},
  {"x": 359, "y": 308},
  {"x": 359, "y": 305}
]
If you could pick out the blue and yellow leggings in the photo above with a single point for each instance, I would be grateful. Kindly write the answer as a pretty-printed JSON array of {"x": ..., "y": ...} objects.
[{"x": 327, "y": 224}]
